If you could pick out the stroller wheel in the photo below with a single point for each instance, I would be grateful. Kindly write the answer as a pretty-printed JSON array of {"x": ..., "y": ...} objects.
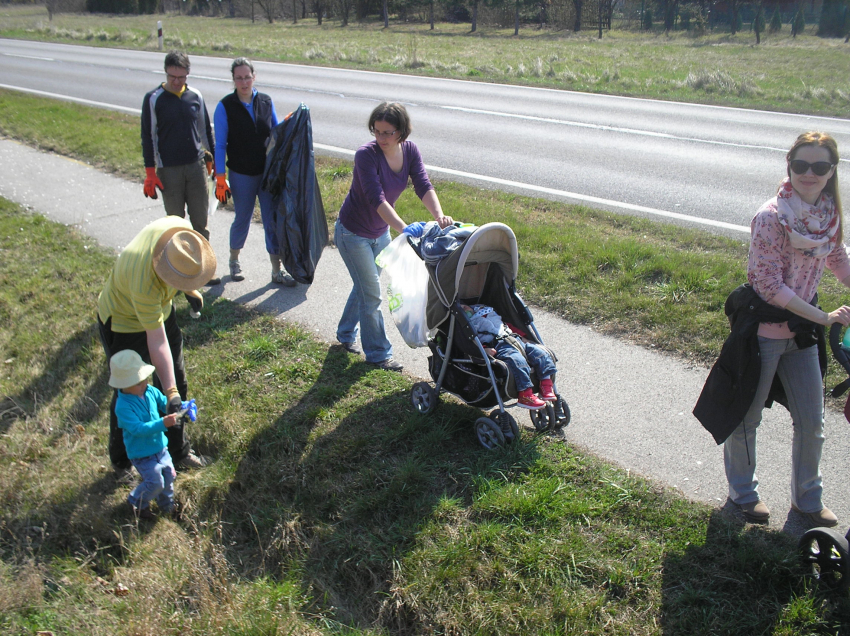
[
  {"x": 562, "y": 412},
  {"x": 507, "y": 423},
  {"x": 825, "y": 553},
  {"x": 543, "y": 419},
  {"x": 489, "y": 433},
  {"x": 424, "y": 398}
]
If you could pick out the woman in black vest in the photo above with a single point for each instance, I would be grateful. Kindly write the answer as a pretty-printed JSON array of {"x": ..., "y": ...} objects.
[{"x": 243, "y": 122}]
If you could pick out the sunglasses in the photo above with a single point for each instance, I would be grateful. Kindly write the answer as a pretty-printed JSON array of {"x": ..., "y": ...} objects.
[{"x": 820, "y": 168}]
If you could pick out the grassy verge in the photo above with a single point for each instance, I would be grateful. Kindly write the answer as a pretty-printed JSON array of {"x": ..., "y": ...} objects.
[
  {"x": 654, "y": 284},
  {"x": 717, "y": 68},
  {"x": 332, "y": 508}
]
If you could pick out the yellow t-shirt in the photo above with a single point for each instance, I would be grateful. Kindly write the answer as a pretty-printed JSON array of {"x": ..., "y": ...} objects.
[{"x": 134, "y": 296}]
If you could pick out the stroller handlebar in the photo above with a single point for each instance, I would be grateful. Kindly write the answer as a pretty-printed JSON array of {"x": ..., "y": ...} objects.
[{"x": 842, "y": 356}]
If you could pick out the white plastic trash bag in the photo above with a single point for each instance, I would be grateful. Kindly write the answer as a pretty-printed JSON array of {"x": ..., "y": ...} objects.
[
  {"x": 407, "y": 290},
  {"x": 212, "y": 206}
]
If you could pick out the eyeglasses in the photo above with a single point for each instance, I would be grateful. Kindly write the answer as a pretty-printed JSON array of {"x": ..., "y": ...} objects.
[
  {"x": 820, "y": 168},
  {"x": 243, "y": 79},
  {"x": 384, "y": 135},
  {"x": 181, "y": 78}
]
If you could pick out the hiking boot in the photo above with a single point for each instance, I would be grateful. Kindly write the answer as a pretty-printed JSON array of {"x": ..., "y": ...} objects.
[
  {"x": 176, "y": 511},
  {"x": 351, "y": 347},
  {"x": 236, "y": 271},
  {"x": 282, "y": 278},
  {"x": 389, "y": 365},
  {"x": 755, "y": 511},
  {"x": 192, "y": 461},
  {"x": 527, "y": 400},
  {"x": 141, "y": 513},
  {"x": 821, "y": 518},
  {"x": 547, "y": 392}
]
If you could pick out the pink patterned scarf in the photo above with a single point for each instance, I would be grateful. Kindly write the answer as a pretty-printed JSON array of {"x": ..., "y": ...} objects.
[{"x": 810, "y": 228}]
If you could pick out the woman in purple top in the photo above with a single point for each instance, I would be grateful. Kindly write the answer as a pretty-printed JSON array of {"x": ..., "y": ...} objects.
[
  {"x": 381, "y": 171},
  {"x": 795, "y": 236}
]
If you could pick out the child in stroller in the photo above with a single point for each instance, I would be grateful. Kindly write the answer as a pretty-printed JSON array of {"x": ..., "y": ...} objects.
[
  {"x": 481, "y": 270},
  {"x": 509, "y": 346}
]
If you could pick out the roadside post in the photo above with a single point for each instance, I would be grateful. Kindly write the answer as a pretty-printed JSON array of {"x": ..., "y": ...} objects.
[{"x": 159, "y": 33}]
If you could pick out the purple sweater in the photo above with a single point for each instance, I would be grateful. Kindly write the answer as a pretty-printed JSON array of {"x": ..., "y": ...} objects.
[{"x": 374, "y": 182}]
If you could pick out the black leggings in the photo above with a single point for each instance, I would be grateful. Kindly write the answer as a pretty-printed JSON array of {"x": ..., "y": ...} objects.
[{"x": 113, "y": 342}]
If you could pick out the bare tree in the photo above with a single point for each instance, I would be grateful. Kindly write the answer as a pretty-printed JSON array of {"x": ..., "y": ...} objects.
[
  {"x": 386, "y": 15},
  {"x": 52, "y": 6},
  {"x": 474, "y": 15},
  {"x": 344, "y": 7},
  {"x": 268, "y": 8},
  {"x": 578, "y": 4}
]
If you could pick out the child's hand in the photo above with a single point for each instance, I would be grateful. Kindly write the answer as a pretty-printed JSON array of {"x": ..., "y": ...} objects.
[
  {"x": 169, "y": 420},
  {"x": 490, "y": 351}
]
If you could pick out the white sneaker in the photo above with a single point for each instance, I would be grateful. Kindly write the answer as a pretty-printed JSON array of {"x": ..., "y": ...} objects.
[{"x": 236, "y": 271}]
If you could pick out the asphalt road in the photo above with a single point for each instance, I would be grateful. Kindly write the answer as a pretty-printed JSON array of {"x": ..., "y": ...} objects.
[
  {"x": 690, "y": 164},
  {"x": 629, "y": 405}
]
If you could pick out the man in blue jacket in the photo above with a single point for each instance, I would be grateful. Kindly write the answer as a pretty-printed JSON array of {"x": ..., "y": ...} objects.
[{"x": 176, "y": 134}]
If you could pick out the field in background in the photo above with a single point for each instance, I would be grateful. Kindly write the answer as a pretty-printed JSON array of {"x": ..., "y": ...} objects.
[{"x": 805, "y": 74}]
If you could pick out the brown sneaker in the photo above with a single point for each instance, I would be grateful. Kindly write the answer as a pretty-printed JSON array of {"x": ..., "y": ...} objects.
[
  {"x": 821, "y": 518},
  {"x": 755, "y": 511}
]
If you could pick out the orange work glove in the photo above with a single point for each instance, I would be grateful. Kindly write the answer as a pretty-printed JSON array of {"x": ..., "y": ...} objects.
[
  {"x": 152, "y": 182},
  {"x": 222, "y": 190}
]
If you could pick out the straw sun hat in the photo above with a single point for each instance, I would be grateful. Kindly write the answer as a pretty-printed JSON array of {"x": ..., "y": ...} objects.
[
  {"x": 183, "y": 259},
  {"x": 128, "y": 369}
]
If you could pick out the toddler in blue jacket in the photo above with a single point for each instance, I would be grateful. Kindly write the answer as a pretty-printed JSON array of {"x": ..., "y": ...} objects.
[{"x": 139, "y": 408}]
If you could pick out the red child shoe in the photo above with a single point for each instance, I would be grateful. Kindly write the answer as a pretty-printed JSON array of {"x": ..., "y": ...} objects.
[
  {"x": 546, "y": 390},
  {"x": 527, "y": 400}
]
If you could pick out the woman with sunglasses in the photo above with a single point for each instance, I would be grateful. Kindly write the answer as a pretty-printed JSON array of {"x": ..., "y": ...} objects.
[
  {"x": 795, "y": 235},
  {"x": 381, "y": 171},
  {"x": 243, "y": 123}
]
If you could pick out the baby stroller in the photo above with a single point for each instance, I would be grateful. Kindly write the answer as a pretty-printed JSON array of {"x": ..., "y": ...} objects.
[
  {"x": 825, "y": 552},
  {"x": 482, "y": 269}
]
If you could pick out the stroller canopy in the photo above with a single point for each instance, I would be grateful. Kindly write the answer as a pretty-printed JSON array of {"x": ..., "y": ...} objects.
[{"x": 463, "y": 273}]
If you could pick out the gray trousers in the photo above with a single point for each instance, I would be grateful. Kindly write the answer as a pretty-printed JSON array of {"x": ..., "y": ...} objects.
[
  {"x": 184, "y": 189},
  {"x": 799, "y": 371}
]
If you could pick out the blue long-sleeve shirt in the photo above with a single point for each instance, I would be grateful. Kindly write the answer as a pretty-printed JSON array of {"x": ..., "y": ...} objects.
[
  {"x": 140, "y": 420},
  {"x": 221, "y": 130}
]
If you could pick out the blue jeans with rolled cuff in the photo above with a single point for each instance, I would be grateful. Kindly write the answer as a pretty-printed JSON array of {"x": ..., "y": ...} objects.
[
  {"x": 246, "y": 190},
  {"x": 538, "y": 358},
  {"x": 363, "y": 306}
]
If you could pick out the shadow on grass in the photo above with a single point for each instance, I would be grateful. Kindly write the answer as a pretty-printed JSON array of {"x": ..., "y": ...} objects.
[
  {"x": 338, "y": 502},
  {"x": 745, "y": 579},
  {"x": 68, "y": 362}
]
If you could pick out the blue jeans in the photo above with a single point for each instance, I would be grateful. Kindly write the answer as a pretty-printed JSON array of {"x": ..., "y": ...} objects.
[
  {"x": 800, "y": 374},
  {"x": 246, "y": 190},
  {"x": 538, "y": 358},
  {"x": 364, "y": 301},
  {"x": 158, "y": 474}
]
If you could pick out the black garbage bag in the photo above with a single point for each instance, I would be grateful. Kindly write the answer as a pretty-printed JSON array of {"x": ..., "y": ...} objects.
[{"x": 290, "y": 177}]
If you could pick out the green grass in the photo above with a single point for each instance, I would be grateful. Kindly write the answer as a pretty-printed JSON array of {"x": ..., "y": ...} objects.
[
  {"x": 655, "y": 284},
  {"x": 717, "y": 68},
  {"x": 331, "y": 507}
]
